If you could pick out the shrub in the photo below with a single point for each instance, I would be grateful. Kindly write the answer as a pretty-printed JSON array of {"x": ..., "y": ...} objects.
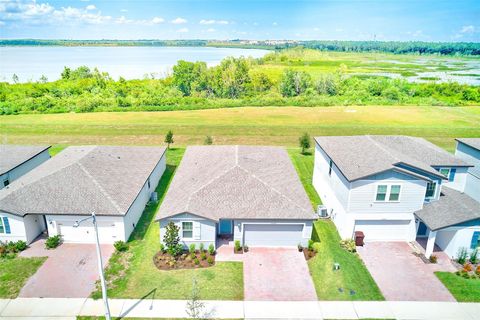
[
  {"x": 474, "y": 256},
  {"x": 467, "y": 267},
  {"x": 162, "y": 248},
  {"x": 462, "y": 255},
  {"x": 201, "y": 247},
  {"x": 210, "y": 260},
  {"x": 52, "y": 242},
  {"x": 192, "y": 248},
  {"x": 433, "y": 258},
  {"x": 203, "y": 256},
  {"x": 196, "y": 261},
  {"x": 238, "y": 247},
  {"x": 120, "y": 246},
  {"x": 349, "y": 245},
  {"x": 310, "y": 244},
  {"x": 211, "y": 249},
  {"x": 192, "y": 255},
  {"x": 171, "y": 239},
  {"x": 20, "y": 245},
  {"x": 208, "y": 140},
  {"x": 477, "y": 271}
]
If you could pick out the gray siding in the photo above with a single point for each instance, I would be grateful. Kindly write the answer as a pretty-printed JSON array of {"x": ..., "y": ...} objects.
[
  {"x": 25, "y": 167},
  {"x": 471, "y": 156},
  {"x": 204, "y": 230}
]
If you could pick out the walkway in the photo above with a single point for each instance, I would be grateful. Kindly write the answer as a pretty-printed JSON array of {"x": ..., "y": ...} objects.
[{"x": 50, "y": 308}]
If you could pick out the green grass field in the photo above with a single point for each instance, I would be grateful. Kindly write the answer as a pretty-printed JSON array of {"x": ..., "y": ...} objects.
[
  {"x": 15, "y": 272},
  {"x": 245, "y": 125},
  {"x": 464, "y": 290}
]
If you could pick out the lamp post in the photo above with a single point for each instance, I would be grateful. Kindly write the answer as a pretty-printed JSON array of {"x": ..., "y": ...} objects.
[{"x": 100, "y": 264}]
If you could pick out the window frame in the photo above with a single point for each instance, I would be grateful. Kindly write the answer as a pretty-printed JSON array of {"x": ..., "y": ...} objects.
[
  {"x": 6, "y": 182},
  {"x": 183, "y": 230},
  {"x": 2, "y": 226},
  {"x": 435, "y": 184},
  {"x": 385, "y": 194},
  {"x": 388, "y": 192},
  {"x": 330, "y": 166},
  {"x": 5, "y": 224}
]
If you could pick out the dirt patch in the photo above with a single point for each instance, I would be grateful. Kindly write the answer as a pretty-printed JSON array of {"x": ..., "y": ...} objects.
[
  {"x": 308, "y": 254},
  {"x": 164, "y": 261}
]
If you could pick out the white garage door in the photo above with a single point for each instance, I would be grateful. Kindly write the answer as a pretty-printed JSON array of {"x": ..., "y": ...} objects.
[
  {"x": 273, "y": 235},
  {"x": 85, "y": 233},
  {"x": 384, "y": 230}
]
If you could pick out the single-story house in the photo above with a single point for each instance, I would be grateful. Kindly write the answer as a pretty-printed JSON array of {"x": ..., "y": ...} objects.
[
  {"x": 392, "y": 187},
  {"x": 247, "y": 193},
  {"x": 114, "y": 182},
  {"x": 468, "y": 149},
  {"x": 17, "y": 160}
]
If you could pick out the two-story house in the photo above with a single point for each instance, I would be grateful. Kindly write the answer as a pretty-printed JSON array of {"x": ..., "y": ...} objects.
[
  {"x": 395, "y": 188},
  {"x": 468, "y": 149}
]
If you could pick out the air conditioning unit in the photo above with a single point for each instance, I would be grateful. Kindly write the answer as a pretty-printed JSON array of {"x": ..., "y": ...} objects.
[
  {"x": 154, "y": 197},
  {"x": 322, "y": 211}
]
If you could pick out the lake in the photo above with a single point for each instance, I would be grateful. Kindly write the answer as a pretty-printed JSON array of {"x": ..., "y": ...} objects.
[{"x": 30, "y": 63}]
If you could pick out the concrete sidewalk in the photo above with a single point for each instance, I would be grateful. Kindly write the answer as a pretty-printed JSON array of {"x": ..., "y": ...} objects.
[{"x": 53, "y": 308}]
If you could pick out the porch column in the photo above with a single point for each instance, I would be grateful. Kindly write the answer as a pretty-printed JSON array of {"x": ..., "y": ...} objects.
[{"x": 430, "y": 243}]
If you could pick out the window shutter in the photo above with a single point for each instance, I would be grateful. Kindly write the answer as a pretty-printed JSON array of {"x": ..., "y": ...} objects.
[
  {"x": 474, "y": 242},
  {"x": 6, "y": 224},
  {"x": 197, "y": 230},
  {"x": 451, "y": 176}
]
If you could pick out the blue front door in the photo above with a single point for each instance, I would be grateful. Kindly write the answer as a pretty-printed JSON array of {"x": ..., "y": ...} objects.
[{"x": 225, "y": 227}]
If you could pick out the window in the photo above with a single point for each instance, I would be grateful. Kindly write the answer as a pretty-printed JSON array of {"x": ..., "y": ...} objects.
[
  {"x": 148, "y": 182},
  {"x": 6, "y": 183},
  {"x": 4, "y": 225},
  {"x": 445, "y": 171},
  {"x": 449, "y": 173},
  {"x": 475, "y": 240},
  {"x": 330, "y": 168},
  {"x": 381, "y": 192},
  {"x": 187, "y": 230},
  {"x": 431, "y": 186},
  {"x": 394, "y": 193}
]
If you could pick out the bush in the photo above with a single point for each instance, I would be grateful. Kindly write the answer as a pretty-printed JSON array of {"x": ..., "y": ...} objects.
[
  {"x": 196, "y": 261},
  {"x": 474, "y": 256},
  {"x": 162, "y": 248},
  {"x": 201, "y": 247},
  {"x": 208, "y": 140},
  {"x": 120, "y": 246},
  {"x": 192, "y": 248},
  {"x": 171, "y": 239},
  {"x": 462, "y": 255},
  {"x": 238, "y": 247},
  {"x": 433, "y": 258},
  {"x": 211, "y": 249},
  {"x": 210, "y": 260},
  {"x": 477, "y": 271},
  {"x": 310, "y": 244},
  {"x": 349, "y": 245},
  {"x": 53, "y": 242},
  {"x": 20, "y": 245},
  {"x": 203, "y": 256}
]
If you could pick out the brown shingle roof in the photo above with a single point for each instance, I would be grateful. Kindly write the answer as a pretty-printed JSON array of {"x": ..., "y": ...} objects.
[
  {"x": 79, "y": 180},
  {"x": 235, "y": 182}
]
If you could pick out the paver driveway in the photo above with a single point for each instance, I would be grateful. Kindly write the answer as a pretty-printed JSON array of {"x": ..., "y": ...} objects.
[
  {"x": 277, "y": 274},
  {"x": 401, "y": 275},
  {"x": 69, "y": 272}
]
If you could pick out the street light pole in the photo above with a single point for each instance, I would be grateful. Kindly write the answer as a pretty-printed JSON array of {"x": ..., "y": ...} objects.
[{"x": 100, "y": 264}]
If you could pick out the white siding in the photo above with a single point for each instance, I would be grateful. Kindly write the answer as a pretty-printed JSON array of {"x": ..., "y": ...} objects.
[
  {"x": 34, "y": 226},
  {"x": 239, "y": 226},
  {"x": 135, "y": 211},
  {"x": 459, "y": 180},
  {"x": 25, "y": 167},
  {"x": 450, "y": 240},
  {"x": 17, "y": 228},
  {"x": 472, "y": 188},
  {"x": 204, "y": 227}
]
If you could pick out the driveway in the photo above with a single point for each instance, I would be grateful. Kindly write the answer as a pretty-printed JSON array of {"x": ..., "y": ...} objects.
[
  {"x": 69, "y": 272},
  {"x": 402, "y": 276},
  {"x": 279, "y": 274}
]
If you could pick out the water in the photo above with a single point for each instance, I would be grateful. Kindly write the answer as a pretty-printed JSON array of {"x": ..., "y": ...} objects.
[{"x": 30, "y": 63}]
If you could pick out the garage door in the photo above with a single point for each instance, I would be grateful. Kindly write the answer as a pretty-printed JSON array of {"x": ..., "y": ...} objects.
[
  {"x": 86, "y": 233},
  {"x": 391, "y": 230},
  {"x": 273, "y": 235}
]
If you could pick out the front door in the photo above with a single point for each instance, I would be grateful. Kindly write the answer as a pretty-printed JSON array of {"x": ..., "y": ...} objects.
[{"x": 226, "y": 226}]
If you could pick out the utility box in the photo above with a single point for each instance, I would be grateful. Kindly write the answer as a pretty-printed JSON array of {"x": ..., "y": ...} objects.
[{"x": 359, "y": 236}]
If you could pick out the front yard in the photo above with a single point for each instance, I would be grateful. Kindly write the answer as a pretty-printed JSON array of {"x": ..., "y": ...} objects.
[
  {"x": 464, "y": 290},
  {"x": 133, "y": 275},
  {"x": 15, "y": 272}
]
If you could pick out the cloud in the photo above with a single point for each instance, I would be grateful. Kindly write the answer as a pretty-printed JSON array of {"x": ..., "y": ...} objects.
[
  {"x": 212, "y": 21},
  {"x": 158, "y": 20},
  {"x": 123, "y": 10},
  {"x": 274, "y": 24},
  {"x": 211, "y": 30},
  {"x": 179, "y": 21},
  {"x": 467, "y": 29},
  {"x": 91, "y": 7},
  {"x": 183, "y": 30}
]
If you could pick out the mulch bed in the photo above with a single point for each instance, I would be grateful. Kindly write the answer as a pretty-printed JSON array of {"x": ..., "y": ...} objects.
[
  {"x": 164, "y": 261},
  {"x": 308, "y": 254}
]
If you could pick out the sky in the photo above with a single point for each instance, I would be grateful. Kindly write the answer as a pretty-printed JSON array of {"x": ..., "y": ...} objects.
[{"x": 403, "y": 20}]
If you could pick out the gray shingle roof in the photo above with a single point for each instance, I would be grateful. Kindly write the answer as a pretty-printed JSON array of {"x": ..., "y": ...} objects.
[
  {"x": 361, "y": 156},
  {"x": 452, "y": 208},
  {"x": 79, "y": 180},
  {"x": 472, "y": 142},
  {"x": 11, "y": 156},
  {"x": 237, "y": 182}
]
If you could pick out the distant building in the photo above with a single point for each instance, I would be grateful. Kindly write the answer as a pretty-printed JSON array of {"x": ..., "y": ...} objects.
[{"x": 468, "y": 149}]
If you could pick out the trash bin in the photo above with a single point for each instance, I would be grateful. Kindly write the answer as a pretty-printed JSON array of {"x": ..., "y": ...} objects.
[{"x": 359, "y": 236}]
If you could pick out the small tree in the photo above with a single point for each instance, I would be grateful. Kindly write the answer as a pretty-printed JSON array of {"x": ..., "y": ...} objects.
[
  {"x": 194, "y": 306},
  {"x": 208, "y": 140},
  {"x": 304, "y": 142},
  {"x": 169, "y": 138},
  {"x": 15, "y": 78},
  {"x": 171, "y": 239}
]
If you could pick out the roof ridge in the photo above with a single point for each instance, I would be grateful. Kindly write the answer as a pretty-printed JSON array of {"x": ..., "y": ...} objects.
[
  {"x": 104, "y": 192},
  {"x": 274, "y": 189}
]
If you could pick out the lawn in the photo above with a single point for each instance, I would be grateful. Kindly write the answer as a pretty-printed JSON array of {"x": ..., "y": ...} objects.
[
  {"x": 15, "y": 272},
  {"x": 245, "y": 125},
  {"x": 353, "y": 275},
  {"x": 464, "y": 290},
  {"x": 133, "y": 274}
]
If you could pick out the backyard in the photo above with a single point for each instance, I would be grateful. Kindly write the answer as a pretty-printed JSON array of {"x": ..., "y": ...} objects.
[
  {"x": 132, "y": 274},
  {"x": 15, "y": 272}
]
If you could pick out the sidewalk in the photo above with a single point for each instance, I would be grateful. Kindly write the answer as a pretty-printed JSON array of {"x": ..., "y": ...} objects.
[{"x": 52, "y": 308}]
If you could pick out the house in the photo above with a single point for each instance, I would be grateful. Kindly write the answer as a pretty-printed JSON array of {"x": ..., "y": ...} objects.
[
  {"x": 114, "y": 182},
  {"x": 396, "y": 188},
  {"x": 468, "y": 149},
  {"x": 16, "y": 160},
  {"x": 246, "y": 193}
]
